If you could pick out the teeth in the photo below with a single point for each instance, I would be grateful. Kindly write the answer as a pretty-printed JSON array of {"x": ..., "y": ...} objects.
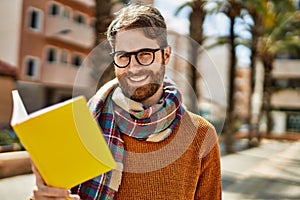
[{"x": 138, "y": 78}]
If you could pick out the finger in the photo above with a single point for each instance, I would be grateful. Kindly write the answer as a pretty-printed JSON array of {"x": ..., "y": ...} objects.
[
  {"x": 38, "y": 178},
  {"x": 74, "y": 197},
  {"x": 52, "y": 191},
  {"x": 38, "y": 196}
]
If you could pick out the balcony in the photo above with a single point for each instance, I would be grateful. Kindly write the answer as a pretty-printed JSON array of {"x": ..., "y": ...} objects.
[
  {"x": 67, "y": 76},
  {"x": 288, "y": 99},
  {"x": 58, "y": 74},
  {"x": 286, "y": 69},
  {"x": 69, "y": 31},
  {"x": 88, "y": 3}
]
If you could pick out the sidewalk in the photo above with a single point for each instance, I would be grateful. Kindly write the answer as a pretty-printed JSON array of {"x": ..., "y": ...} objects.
[
  {"x": 17, "y": 187},
  {"x": 271, "y": 171}
]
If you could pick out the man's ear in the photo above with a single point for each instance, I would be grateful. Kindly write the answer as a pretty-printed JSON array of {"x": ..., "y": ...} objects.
[{"x": 167, "y": 54}]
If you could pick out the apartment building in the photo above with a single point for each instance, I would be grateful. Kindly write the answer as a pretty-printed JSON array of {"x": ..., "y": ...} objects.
[
  {"x": 47, "y": 40},
  {"x": 285, "y": 99},
  {"x": 242, "y": 93},
  {"x": 212, "y": 83}
]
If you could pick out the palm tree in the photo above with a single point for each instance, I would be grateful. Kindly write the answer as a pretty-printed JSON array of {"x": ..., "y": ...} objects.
[
  {"x": 280, "y": 34},
  {"x": 196, "y": 18},
  {"x": 103, "y": 14},
  {"x": 232, "y": 9},
  {"x": 103, "y": 19},
  {"x": 256, "y": 9}
]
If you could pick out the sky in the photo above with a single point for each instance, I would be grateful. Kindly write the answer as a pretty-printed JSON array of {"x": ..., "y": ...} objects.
[{"x": 213, "y": 26}]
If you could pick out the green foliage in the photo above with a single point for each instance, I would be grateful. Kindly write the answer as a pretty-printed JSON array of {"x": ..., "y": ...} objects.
[
  {"x": 7, "y": 137},
  {"x": 281, "y": 29}
]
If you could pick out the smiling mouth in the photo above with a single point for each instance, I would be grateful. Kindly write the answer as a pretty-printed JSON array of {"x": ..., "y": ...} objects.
[{"x": 137, "y": 78}]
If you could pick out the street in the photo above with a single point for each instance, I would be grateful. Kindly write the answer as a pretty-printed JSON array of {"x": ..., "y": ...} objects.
[{"x": 270, "y": 171}]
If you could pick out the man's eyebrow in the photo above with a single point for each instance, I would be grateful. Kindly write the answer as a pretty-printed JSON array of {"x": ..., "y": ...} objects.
[{"x": 145, "y": 48}]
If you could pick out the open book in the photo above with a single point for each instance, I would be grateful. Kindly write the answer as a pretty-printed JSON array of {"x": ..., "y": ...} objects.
[{"x": 63, "y": 140}]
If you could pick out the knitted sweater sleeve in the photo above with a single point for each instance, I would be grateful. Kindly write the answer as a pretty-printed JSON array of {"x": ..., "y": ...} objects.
[{"x": 209, "y": 183}]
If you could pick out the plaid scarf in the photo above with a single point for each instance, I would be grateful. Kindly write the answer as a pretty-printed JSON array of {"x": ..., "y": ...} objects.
[{"x": 118, "y": 114}]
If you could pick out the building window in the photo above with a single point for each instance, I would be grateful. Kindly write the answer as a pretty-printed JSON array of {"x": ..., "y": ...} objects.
[
  {"x": 54, "y": 9},
  {"x": 31, "y": 67},
  {"x": 80, "y": 19},
  {"x": 67, "y": 12},
  {"x": 293, "y": 123},
  {"x": 287, "y": 83},
  {"x": 34, "y": 19},
  {"x": 51, "y": 55},
  {"x": 64, "y": 57},
  {"x": 77, "y": 60}
]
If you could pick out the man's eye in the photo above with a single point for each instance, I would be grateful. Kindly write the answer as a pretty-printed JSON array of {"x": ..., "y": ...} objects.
[
  {"x": 145, "y": 53},
  {"x": 123, "y": 55}
]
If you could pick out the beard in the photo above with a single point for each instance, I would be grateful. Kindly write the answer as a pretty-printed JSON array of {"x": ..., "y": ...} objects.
[{"x": 141, "y": 93}]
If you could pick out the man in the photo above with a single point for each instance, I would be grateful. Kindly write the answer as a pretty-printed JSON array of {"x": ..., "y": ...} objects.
[{"x": 162, "y": 151}]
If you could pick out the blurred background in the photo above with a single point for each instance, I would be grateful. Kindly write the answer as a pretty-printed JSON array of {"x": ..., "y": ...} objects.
[{"x": 237, "y": 63}]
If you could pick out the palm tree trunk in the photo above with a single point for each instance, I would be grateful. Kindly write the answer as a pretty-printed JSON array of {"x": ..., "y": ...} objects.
[
  {"x": 229, "y": 123},
  {"x": 251, "y": 118},
  {"x": 194, "y": 92},
  {"x": 268, "y": 66},
  {"x": 196, "y": 18},
  {"x": 103, "y": 19},
  {"x": 256, "y": 31}
]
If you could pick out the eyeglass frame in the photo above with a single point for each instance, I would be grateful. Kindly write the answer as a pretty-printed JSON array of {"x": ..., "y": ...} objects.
[{"x": 135, "y": 53}]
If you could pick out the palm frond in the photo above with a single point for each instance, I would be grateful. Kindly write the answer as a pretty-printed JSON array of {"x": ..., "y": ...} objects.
[{"x": 180, "y": 8}]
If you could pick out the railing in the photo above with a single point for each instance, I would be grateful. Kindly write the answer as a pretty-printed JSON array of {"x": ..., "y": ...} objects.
[{"x": 69, "y": 31}]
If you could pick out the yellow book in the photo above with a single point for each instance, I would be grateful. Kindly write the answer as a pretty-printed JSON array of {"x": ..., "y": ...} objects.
[{"x": 64, "y": 141}]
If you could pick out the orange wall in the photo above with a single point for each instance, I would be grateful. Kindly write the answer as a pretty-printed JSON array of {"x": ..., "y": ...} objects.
[{"x": 7, "y": 85}]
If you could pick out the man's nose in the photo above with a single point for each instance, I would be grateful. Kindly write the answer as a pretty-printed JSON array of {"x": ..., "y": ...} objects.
[{"x": 133, "y": 62}]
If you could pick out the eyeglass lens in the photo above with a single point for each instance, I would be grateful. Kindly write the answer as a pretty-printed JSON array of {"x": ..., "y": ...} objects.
[{"x": 144, "y": 57}]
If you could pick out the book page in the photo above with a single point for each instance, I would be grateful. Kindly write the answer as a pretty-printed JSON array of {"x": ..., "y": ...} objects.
[
  {"x": 19, "y": 112},
  {"x": 53, "y": 107}
]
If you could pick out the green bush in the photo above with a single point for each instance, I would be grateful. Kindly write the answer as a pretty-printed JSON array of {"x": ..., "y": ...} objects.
[{"x": 8, "y": 137}]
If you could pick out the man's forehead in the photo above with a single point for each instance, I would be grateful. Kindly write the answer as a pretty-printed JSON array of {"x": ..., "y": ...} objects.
[{"x": 131, "y": 40}]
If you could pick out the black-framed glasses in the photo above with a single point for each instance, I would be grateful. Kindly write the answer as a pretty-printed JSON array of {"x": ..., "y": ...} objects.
[{"x": 144, "y": 57}]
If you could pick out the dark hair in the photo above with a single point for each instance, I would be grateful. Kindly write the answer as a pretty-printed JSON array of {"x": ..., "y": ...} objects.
[{"x": 146, "y": 18}]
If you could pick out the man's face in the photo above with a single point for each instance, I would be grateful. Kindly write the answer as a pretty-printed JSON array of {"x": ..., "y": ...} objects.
[{"x": 139, "y": 82}]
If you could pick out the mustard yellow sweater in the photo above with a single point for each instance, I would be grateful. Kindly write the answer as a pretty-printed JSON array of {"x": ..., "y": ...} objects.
[{"x": 184, "y": 166}]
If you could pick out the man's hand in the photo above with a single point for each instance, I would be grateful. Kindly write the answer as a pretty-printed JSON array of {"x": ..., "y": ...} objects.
[{"x": 44, "y": 192}]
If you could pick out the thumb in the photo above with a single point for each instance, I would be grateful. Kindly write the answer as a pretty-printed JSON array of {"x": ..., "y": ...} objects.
[{"x": 73, "y": 197}]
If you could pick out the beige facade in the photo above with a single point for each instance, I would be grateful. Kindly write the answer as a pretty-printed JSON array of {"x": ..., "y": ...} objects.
[
  {"x": 285, "y": 100},
  {"x": 56, "y": 35},
  {"x": 242, "y": 94},
  {"x": 10, "y": 28},
  {"x": 212, "y": 81}
]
